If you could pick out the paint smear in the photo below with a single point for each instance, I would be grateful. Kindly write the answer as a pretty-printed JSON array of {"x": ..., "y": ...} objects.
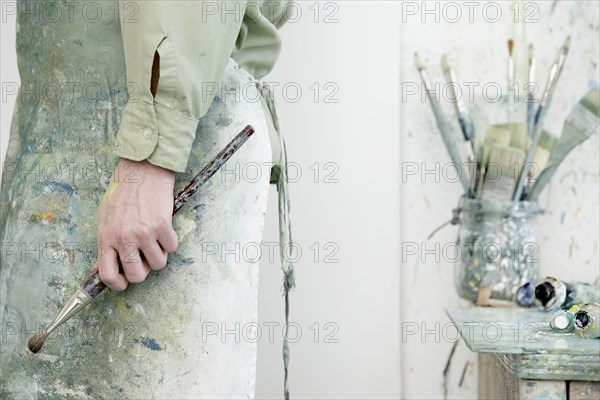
[
  {"x": 121, "y": 306},
  {"x": 44, "y": 217},
  {"x": 571, "y": 247},
  {"x": 184, "y": 261},
  {"x": 60, "y": 187},
  {"x": 149, "y": 343}
]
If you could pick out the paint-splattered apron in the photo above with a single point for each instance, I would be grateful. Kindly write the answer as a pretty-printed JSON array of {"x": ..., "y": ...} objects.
[{"x": 187, "y": 332}]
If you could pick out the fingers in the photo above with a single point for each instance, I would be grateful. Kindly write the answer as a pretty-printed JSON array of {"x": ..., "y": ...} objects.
[
  {"x": 109, "y": 270},
  {"x": 167, "y": 237},
  {"x": 137, "y": 273},
  {"x": 154, "y": 255},
  {"x": 135, "y": 267}
]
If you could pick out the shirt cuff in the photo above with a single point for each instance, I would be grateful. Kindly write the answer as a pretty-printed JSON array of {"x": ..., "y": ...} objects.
[{"x": 153, "y": 133}]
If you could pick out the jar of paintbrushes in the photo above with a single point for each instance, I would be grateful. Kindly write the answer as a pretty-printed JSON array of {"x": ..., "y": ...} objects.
[
  {"x": 497, "y": 247},
  {"x": 503, "y": 170}
]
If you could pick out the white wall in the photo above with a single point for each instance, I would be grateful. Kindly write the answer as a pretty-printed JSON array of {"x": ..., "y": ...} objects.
[{"x": 359, "y": 214}]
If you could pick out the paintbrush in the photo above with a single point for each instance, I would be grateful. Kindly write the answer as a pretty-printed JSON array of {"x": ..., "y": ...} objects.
[
  {"x": 530, "y": 94},
  {"x": 541, "y": 113},
  {"x": 480, "y": 181},
  {"x": 581, "y": 123},
  {"x": 449, "y": 141},
  {"x": 511, "y": 77},
  {"x": 462, "y": 112},
  {"x": 466, "y": 124},
  {"x": 540, "y": 159},
  {"x": 93, "y": 286},
  {"x": 499, "y": 181}
]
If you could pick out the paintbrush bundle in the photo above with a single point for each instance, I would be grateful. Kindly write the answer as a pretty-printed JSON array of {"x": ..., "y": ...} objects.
[
  {"x": 515, "y": 160},
  {"x": 503, "y": 170}
]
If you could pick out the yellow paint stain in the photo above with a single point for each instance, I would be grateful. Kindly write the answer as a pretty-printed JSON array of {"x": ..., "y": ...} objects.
[
  {"x": 44, "y": 217},
  {"x": 427, "y": 203},
  {"x": 186, "y": 226},
  {"x": 121, "y": 306},
  {"x": 576, "y": 214}
]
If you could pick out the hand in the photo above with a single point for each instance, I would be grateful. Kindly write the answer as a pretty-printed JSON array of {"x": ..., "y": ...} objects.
[{"x": 134, "y": 222}]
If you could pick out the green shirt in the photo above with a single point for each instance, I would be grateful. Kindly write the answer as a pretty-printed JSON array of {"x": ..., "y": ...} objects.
[{"x": 195, "y": 39}]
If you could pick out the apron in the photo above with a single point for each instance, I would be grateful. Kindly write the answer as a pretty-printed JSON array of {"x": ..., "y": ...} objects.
[{"x": 189, "y": 330}]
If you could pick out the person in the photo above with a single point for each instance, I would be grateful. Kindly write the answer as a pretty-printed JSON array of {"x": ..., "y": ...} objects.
[{"x": 186, "y": 67}]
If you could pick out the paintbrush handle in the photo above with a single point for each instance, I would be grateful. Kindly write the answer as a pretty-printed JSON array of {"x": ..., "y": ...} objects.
[{"x": 93, "y": 285}]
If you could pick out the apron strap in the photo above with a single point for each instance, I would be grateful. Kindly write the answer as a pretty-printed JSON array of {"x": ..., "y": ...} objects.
[{"x": 279, "y": 177}]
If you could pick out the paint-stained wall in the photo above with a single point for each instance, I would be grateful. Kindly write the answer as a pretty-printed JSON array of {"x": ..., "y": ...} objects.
[{"x": 568, "y": 234}]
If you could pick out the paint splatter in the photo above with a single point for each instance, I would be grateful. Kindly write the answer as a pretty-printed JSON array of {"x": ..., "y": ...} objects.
[
  {"x": 43, "y": 217},
  {"x": 60, "y": 187},
  {"x": 577, "y": 212},
  {"x": 426, "y": 200},
  {"x": 121, "y": 306},
  {"x": 562, "y": 218},
  {"x": 149, "y": 343},
  {"x": 183, "y": 261},
  {"x": 571, "y": 247}
]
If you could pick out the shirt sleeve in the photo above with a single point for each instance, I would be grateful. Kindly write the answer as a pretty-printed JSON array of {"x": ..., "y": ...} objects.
[{"x": 194, "y": 40}]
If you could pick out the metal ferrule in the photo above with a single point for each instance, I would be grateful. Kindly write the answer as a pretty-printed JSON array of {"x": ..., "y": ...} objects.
[
  {"x": 75, "y": 304},
  {"x": 554, "y": 73},
  {"x": 549, "y": 85}
]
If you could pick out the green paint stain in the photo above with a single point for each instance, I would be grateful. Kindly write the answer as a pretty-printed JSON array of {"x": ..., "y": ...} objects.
[{"x": 38, "y": 187}]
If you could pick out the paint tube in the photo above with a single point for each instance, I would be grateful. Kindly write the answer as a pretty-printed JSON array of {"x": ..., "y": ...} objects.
[
  {"x": 525, "y": 295},
  {"x": 552, "y": 294},
  {"x": 587, "y": 321},
  {"x": 562, "y": 321}
]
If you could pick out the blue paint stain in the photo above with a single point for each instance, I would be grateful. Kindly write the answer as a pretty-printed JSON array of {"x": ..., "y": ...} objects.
[
  {"x": 149, "y": 343},
  {"x": 562, "y": 218},
  {"x": 186, "y": 261},
  {"x": 199, "y": 207},
  {"x": 111, "y": 94},
  {"x": 183, "y": 261},
  {"x": 61, "y": 187}
]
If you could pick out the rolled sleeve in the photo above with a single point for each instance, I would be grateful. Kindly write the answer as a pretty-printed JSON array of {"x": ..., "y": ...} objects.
[{"x": 194, "y": 43}]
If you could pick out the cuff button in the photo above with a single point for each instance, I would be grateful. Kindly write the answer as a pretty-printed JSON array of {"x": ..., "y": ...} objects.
[{"x": 146, "y": 132}]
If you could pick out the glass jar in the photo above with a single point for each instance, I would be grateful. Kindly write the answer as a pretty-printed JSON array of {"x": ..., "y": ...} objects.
[{"x": 497, "y": 248}]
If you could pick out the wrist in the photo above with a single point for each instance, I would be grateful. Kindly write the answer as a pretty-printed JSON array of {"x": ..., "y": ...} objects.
[{"x": 132, "y": 168}]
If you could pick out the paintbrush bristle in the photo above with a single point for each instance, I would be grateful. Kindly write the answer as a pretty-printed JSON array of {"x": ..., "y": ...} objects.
[
  {"x": 37, "y": 341},
  {"x": 418, "y": 62},
  {"x": 445, "y": 63},
  {"x": 510, "y": 46}
]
